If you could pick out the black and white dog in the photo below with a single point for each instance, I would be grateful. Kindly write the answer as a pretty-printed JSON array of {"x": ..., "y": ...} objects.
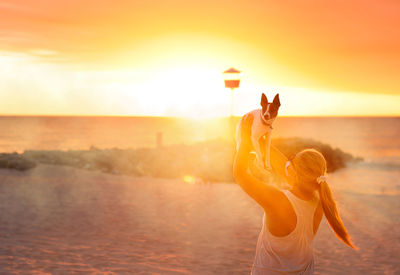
[{"x": 262, "y": 123}]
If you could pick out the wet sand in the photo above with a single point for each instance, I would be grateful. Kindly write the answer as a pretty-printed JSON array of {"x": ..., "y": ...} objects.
[{"x": 61, "y": 220}]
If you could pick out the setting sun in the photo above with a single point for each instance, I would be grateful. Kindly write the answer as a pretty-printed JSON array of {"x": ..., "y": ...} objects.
[{"x": 171, "y": 64}]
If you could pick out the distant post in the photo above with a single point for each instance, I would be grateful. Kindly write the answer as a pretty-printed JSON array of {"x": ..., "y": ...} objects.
[
  {"x": 159, "y": 140},
  {"x": 232, "y": 82}
]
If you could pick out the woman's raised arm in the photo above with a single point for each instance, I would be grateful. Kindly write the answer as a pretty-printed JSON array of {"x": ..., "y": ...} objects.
[{"x": 264, "y": 194}]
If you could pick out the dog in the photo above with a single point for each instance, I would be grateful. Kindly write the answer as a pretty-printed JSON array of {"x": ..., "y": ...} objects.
[{"x": 262, "y": 123}]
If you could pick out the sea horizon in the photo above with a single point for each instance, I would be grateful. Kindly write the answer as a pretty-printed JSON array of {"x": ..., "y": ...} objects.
[{"x": 194, "y": 118}]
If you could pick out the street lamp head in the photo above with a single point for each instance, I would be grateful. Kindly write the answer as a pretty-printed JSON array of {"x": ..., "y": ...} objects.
[{"x": 232, "y": 78}]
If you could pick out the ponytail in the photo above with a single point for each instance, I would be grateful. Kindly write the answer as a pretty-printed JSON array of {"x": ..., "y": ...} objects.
[
  {"x": 310, "y": 166},
  {"x": 332, "y": 214}
]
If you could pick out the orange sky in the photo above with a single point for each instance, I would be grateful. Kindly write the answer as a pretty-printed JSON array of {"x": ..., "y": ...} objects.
[{"x": 112, "y": 57}]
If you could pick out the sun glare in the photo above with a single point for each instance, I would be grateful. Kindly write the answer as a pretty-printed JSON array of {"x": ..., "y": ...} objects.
[
  {"x": 189, "y": 179},
  {"x": 175, "y": 75}
]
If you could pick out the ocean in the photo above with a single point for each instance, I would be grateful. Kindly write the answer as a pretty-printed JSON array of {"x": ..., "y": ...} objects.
[{"x": 375, "y": 139}]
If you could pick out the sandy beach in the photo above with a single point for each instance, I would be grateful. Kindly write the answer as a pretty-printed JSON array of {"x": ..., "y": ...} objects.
[{"x": 62, "y": 220}]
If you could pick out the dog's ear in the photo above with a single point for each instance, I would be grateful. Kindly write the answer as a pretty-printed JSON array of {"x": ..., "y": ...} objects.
[
  {"x": 264, "y": 101},
  {"x": 276, "y": 100}
]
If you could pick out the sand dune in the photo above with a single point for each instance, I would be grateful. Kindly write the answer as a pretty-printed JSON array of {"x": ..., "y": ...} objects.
[{"x": 62, "y": 220}]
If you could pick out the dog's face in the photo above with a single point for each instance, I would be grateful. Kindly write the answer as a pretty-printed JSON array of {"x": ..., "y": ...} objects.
[{"x": 270, "y": 110}]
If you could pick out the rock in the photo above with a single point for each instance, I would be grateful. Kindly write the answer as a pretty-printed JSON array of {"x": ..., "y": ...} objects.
[{"x": 16, "y": 161}]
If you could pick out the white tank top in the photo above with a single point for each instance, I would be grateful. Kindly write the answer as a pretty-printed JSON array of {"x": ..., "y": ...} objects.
[{"x": 291, "y": 254}]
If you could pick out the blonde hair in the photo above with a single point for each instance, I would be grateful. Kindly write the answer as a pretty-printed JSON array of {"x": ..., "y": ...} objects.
[{"x": 309, "y": 165}]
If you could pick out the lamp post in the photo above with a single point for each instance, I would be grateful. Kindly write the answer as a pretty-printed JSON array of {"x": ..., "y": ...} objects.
[{"x": 232, "y": 81}]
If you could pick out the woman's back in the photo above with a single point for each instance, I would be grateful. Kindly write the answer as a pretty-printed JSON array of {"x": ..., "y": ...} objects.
[{"x": 293, "y": 253}]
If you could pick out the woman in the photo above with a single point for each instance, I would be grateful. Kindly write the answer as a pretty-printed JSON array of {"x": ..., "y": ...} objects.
[{"x": 291, "y": 217}]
